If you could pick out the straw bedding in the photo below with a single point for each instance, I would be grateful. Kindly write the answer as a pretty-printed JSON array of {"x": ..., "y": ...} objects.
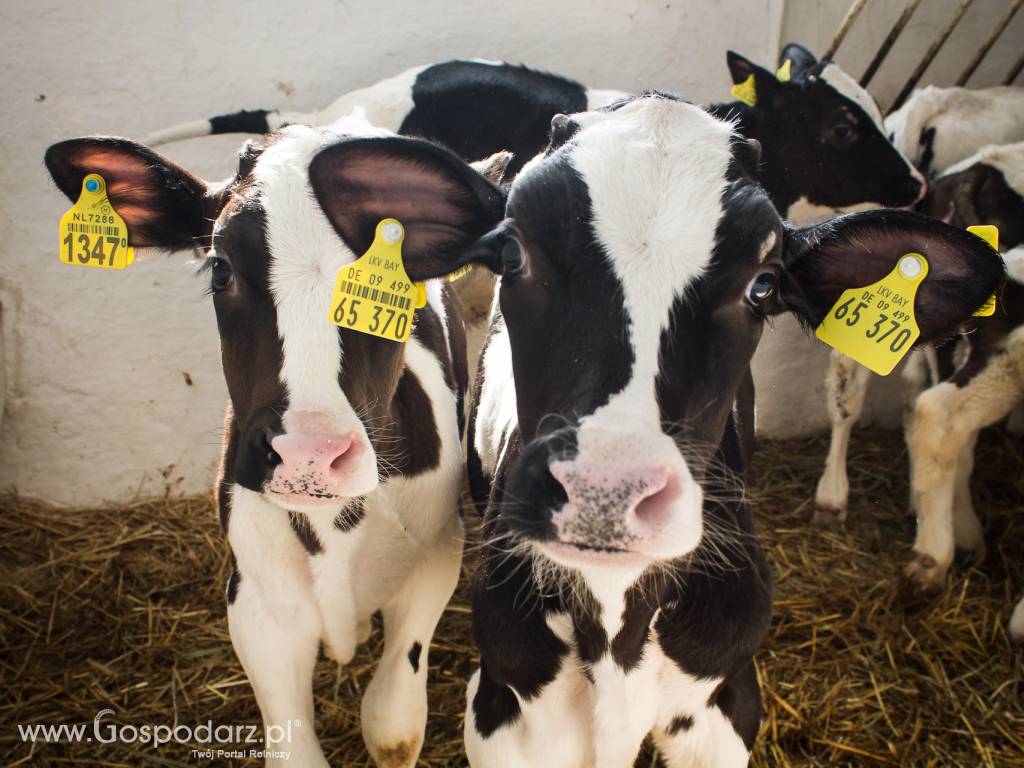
[{"x": 123, "y": 608}]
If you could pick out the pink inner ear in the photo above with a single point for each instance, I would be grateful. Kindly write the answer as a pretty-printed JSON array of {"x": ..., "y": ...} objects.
[{"x": 129, "y": 183}]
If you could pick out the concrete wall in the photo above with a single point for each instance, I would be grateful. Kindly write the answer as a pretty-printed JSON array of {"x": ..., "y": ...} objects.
[{"x": 113, "y": 382}]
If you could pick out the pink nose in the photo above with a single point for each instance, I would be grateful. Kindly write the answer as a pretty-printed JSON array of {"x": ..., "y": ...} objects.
[
  {"x": 612, "y": 506},
  {"x": 313, "y": 465}
]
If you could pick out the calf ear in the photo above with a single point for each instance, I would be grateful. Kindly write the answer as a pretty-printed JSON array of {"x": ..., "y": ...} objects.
[
  {"x": 443, "y": 203},
  {"x": 858, "y": 249},
  {"x": 800, "y": 59},
  {"x": 162, "y": 204},
  {"x": 766, "y": 86}
]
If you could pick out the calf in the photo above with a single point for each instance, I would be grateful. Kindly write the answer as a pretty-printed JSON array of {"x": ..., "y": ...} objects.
[
  {"x": 824, "y": 144},
  {"x": 985, "y": 188},
  {"x": 943, "y": 429},
  {"x": 621, "y": 589},
  {"x": 938, "y": 127},
  {"x": 341, "y": 466}
]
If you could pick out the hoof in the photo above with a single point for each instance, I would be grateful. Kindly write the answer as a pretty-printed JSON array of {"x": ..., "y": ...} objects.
[
  {"x": 398, "y": 755},
  {"x": 924, "y": 576},
  {"x": 828, "y": 516}
]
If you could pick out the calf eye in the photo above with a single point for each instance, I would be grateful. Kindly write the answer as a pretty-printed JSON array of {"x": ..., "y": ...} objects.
[
  {"x": 844, "y": 133},
  {"x": 220, "y": 275},
  {"x": 762, "y": 288},
  {"x": 511, "y": 257}
]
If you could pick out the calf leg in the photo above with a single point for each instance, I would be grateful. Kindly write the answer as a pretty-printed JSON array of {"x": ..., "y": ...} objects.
[
  {"x": 717, "y": 731},
  {"x": 275, "y": 625},
  {"x": 967, "y": 531},
  {"x": 846, "y": 385},
  {"x": 394, "y": 709},
  {"x": 946, "y": 419},
  {"x": 1017, "y": 623},
  {"x": 505, "y": 730}
]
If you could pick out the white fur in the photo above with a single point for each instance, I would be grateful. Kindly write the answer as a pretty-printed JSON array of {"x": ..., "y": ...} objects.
[
  {"x": 964, "y": 121},
  {"x": 403, "y": 558},
  {"x": 1008, "y": 159}
]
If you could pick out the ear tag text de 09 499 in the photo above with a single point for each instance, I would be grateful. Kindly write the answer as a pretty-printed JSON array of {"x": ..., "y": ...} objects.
[
  {"x": 374, "y": 294},
  {"x": 875, "y": 324},
  {"x": 91, "y": 233},
  {"x": 746, "y": 91},
  {"x": 990, "y": 234}
]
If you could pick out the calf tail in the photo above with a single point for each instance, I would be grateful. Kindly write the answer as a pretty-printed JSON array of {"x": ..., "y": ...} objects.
[{"x": 244, "y": 121}]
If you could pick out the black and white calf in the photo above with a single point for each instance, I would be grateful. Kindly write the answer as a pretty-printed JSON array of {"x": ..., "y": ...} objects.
[
  {"x": 621, "y": 590},
  {"x": 824, "y": 144},
  {"x": 341, "y": 466},
  {"x": 987, "y": 188}
]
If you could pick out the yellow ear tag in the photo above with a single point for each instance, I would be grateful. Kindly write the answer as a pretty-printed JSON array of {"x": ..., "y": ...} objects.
[
  {"x": 745, "y": 91},
  {"x": 785, "y": 73},
  {"x": 875, "y": 324},
  {"x": 459, "y": 273},
  {"x": 91, "y": 233},
  {"x": 374, "y": 294},
  {"x": 990, "y": 234}
]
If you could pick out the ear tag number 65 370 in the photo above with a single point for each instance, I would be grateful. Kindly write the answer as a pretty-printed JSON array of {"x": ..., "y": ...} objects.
[
  {"x": 92, "y": 234},
  {"x": 875, "y": 325},
  {"x": 374, "y": 294}
]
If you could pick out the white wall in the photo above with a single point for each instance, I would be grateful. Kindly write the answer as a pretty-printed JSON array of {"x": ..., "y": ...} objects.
[{"x": 97, "y": 404}]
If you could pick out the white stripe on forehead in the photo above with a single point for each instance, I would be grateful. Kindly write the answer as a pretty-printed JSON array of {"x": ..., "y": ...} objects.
[
  {"x": 655, "y": 170},
  {"x": 305, "y": 256},
  {"x": 852, "y": 90}
]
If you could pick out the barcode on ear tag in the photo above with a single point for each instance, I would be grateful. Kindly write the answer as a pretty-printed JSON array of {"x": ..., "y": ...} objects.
[
  {"x": 91, "y": 233},
  {"x": 875, "y": 325},
  {"x": 374, "y": 295}
]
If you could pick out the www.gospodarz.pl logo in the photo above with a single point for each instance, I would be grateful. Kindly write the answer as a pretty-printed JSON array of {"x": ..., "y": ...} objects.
[{"x": 217, "y": 740}]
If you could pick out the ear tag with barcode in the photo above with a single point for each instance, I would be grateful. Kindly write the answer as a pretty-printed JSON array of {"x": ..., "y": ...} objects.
[
  {"x": 374, "y": 294},
  {"x": 990, "y": 234},
  {"x": 785, "y": 73},
  {"x": 875, "y": 324},
  {"x": 746, "y": 91},
  {"x": 91, "y": 233}
]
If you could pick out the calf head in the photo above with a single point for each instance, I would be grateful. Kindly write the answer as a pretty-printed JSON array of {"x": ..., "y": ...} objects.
[
  {"x": 311, "y": 403},
  {"x": 823, "y": 136},
  {"x": 639, "y": 264},
  {"x": 985, "y": 189}
]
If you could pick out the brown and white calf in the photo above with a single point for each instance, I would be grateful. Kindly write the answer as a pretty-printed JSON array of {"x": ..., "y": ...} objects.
[
  {"x": 621, "y": 589},
  {"x": 942, "y": 432},
  {"x": 341, "y": 466}
]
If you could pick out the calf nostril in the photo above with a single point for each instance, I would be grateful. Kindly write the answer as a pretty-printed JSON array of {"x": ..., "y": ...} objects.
[
  {"x": 273, "y": 458},
  {"x": 653, "y": 508},
  {"x": 339, "y": 459}
]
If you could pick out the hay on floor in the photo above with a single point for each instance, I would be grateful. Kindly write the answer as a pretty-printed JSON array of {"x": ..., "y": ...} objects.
[{"x": 124, "y": 609}]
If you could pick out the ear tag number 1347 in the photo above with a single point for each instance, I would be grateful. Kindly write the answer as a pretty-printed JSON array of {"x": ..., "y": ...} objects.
[
  {"x": 875, "y": 324},
  {"x": 374, "y": 294},
  {"x": 92, "y": 234}
]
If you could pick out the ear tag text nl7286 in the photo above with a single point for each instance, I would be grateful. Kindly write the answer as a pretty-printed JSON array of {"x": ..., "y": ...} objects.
[
  {"x": 990, "y": 234},
  {"x": 746, "y": 91},
  {"x": 875, "y": 324},
  {"x": 91, "y": 233},
  {"x": 374, "y": 294}
]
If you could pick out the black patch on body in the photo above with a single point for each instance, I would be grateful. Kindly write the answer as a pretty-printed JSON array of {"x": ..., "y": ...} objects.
[
  {"x": 300, "y": 524},
  {"x": 414, "y": 656},
  {"x": 678, "y": 724},
  {"x": 243, "y": 121},
  {"x": 478, "y": 109},
  {"x": 351, "y": 516}
]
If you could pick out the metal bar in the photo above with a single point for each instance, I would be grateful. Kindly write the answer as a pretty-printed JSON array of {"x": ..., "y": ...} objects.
[
  {"x": 930, "y": 54},
  {"x": 987, "y": 45},
  {"x": 1015, "y": 71},
  {"x": 844, "y": 27},
  {"x": 890, "y": 39}
]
